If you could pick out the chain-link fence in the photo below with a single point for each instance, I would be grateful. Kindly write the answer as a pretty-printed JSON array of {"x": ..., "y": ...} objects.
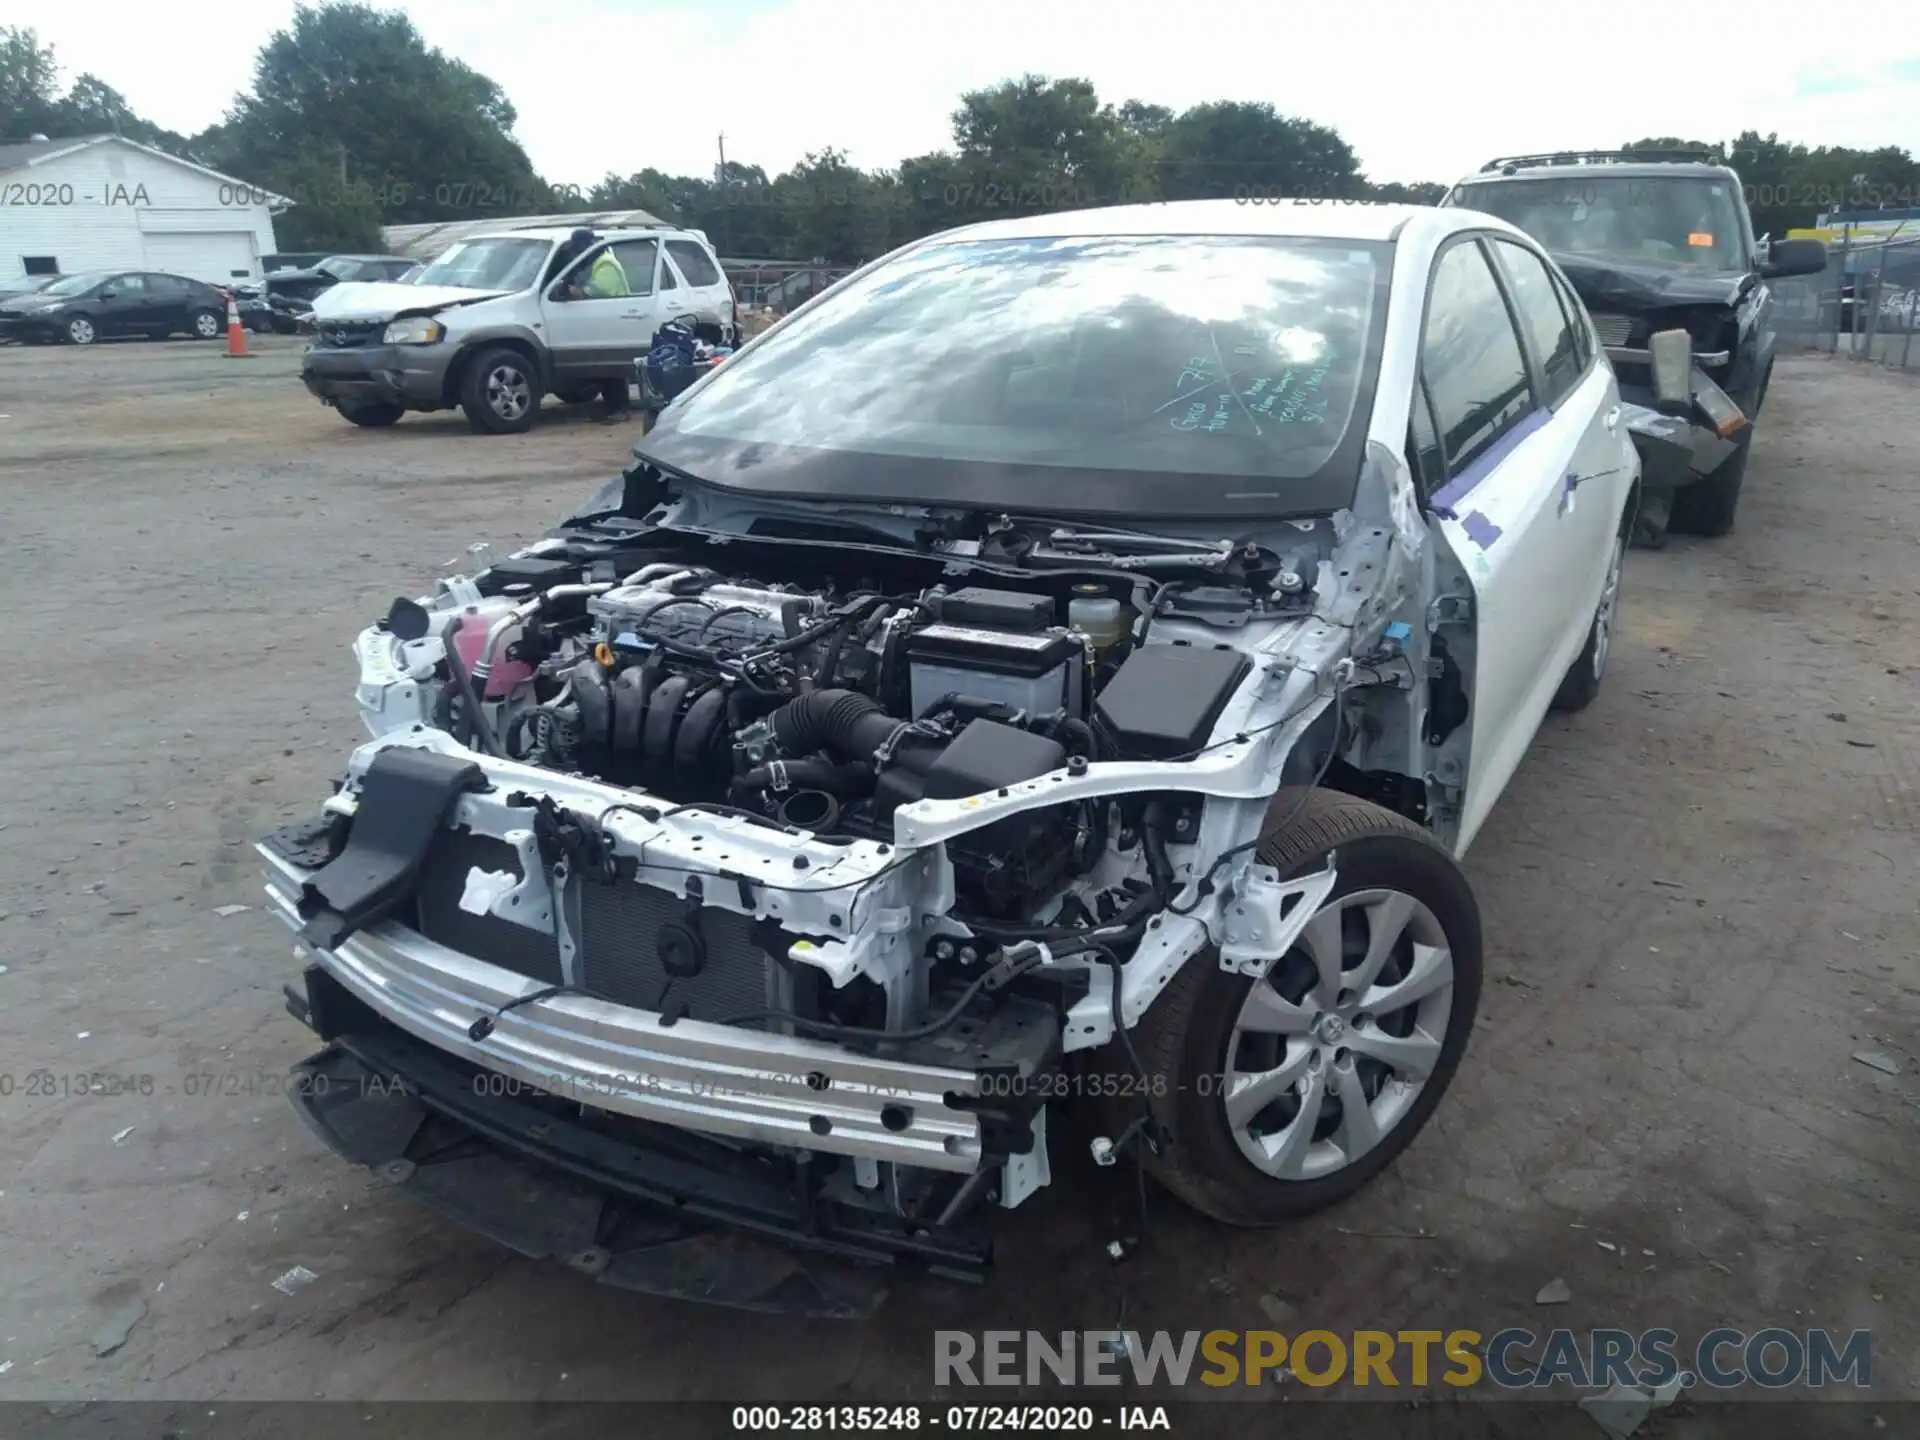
[{"x": 1865, "y": 306}]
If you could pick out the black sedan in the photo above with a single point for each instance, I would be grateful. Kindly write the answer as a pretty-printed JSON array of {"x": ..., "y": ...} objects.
[
  {"x": 100, "y": 303},
  {"x": 25, "y": 285}
]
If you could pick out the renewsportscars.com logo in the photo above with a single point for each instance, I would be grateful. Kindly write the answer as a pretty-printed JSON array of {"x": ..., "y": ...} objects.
[{"x": 1513, "y": 1359}]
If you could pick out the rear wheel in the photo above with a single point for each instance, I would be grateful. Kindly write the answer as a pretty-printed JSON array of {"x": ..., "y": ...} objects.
[
  {"x": 499, "y": 393},
  {"x": 1582, "y": 680},
  {"x": 1287, "y": 1093},
  {"x": 373, "y": 417}
]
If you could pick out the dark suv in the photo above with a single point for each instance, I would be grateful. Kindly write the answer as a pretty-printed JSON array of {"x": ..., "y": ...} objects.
[{"x": 1659, "y": 242}]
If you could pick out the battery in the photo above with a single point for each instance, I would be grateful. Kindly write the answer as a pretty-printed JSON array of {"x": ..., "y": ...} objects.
[{"x": 1032, "y": 673}]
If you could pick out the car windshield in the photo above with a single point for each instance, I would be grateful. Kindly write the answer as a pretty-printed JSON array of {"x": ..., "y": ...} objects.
[
  {"x": 1140, "y": 374},
  {"x": 487, "y": 265},
  {"x": 341, "y": 269},
  {"x": 1681, "y": 220},
  {"x": 75, "y": 284}
]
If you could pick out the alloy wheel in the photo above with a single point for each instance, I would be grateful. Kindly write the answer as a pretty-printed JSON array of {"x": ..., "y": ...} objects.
[
  {"x": 80, "y": 330},
  {"x": 1603, "y": 617},
  {"x": 508, "y": 394},
  {"x": 1335, "y": 1043}
]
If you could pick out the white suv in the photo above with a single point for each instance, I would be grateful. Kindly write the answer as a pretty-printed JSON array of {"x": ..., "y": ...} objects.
[{"x": 500, "y": 320}]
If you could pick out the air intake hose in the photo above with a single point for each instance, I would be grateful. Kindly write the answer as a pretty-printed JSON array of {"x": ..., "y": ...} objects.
[{"x": 847, "y": 724}]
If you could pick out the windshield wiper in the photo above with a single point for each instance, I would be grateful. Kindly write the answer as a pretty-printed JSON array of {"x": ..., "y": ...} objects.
[{"x": 1067, "y": 547}]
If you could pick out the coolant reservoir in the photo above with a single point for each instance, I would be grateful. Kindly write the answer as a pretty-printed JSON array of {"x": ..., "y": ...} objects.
[
  {"x": 470, "y": 640},
  {"x": 1098, "y": 616}
]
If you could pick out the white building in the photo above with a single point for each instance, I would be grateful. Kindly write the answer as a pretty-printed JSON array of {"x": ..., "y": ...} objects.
[{"x": 102, "y": 202}]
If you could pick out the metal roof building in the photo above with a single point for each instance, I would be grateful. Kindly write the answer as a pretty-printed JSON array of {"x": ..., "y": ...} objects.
[{"x": 424, "y": 242}]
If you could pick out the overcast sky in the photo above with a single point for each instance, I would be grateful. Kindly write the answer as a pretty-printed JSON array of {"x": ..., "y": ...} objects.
[{"x": 1422, "y": 92}]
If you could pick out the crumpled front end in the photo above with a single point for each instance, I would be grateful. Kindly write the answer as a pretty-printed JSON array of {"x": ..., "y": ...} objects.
[{"x": 797, "y": 910}]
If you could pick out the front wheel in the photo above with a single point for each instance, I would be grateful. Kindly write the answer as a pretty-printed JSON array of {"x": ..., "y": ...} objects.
[
  {"x": 206, "y": 324},
  {"x": 1288, "y": 1092},
  {"x": 498, "y": 392},
  {"x": 80, "y": 331}
]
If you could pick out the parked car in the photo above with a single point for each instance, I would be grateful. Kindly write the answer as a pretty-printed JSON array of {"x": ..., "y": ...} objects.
[
  {"x": 334, "y": 270},
  {"x": 498, "y": 321},
  {"x": 283, "y": 300},
  {"x": 1662, "y": 242},
  {"x": 17, "y": 287},
  {"x": 1060, "y": 667},
  {"x": 98, "y": 303},
  {"x": 25, "y": 285}
]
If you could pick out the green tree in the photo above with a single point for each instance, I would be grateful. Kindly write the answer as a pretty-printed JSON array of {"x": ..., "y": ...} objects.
[
  {"x": 29, "y": 85},
  {"x": 1035, "y": 144},
  {"x": 1245, "y": 149},
  {"x": 351, "y": 112},
  {"x": 93, "y": 107}
]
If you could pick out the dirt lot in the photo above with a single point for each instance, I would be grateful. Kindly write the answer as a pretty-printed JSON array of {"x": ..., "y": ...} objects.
[{"x": 1700, "y": 898}]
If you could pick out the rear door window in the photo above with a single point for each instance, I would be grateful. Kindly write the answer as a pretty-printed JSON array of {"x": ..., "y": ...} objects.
[
  {"x": 1542, "y": 319},
  {"x": 637, "y": 258}
]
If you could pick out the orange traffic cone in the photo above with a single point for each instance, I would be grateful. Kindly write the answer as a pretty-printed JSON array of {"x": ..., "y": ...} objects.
[{"x": 236, "y": 332}]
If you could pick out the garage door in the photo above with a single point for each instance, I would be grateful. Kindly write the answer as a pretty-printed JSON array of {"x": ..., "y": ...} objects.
[{"x": 216, "y": 257}]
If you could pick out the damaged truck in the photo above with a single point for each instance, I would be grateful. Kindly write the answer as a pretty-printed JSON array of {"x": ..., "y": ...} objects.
[
  {"x": 1037, "y": 694},
  {"x": 1660, "y": 246}
]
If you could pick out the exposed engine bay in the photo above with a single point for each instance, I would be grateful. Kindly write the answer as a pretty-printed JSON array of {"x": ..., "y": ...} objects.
[
  {"x": 827, "y": 712},
  {"x": 886, "y": 838}
]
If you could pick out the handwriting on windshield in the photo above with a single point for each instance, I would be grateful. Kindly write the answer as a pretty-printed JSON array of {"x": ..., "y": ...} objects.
[{"x": 1212, "y": 400}]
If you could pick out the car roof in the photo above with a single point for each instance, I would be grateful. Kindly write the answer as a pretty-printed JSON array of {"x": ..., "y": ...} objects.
[
  {"x": 1334, "y": 220},
  {"x": 1652, "y": 170},
  {"x": 563, "y": 232}
]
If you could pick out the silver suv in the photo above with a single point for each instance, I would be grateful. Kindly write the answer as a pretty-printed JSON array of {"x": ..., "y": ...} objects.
[{"x": 498, "y": 321}]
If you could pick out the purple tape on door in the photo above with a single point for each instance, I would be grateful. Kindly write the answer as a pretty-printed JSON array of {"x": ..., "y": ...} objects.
[
  {"x": 1480, "y": 530},
  {"x": 1449, "y": 495}
]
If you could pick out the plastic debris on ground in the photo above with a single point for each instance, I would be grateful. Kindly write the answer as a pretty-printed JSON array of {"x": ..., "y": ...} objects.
[
  {"x": 115, "y": 1329},
  {"x": 295, "y": 1280}
]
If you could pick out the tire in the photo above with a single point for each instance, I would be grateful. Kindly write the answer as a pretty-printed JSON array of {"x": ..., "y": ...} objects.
[
  {"x": 499, "y": 392},
  {"x": 1191, "y": 1033},
  {"x": 1582, "y": 680},
  {"x": 206, "y": 324},
  {"x": 373, "y": 417},
  {"x": 80, "y": 331}
]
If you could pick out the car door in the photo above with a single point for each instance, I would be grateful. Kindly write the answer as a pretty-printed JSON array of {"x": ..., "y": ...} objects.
[
  {"x": 707, "y": 293},
  {"x": 594, "y": 337},
  {"x": 168, "y": 298},
  {"x": 121, "y": 305},
  {"x": 1524, "y": 537},
  {"x": 1584, "y": 397}
]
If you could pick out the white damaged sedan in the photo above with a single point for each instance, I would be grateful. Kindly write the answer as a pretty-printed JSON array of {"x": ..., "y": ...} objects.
[{"x": 1060, "y": 667}]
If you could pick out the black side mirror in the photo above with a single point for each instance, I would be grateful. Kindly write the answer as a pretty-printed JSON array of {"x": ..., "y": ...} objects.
[
  {"x": 1794, "y": 257},
  {"x": 104, "y": 294}
]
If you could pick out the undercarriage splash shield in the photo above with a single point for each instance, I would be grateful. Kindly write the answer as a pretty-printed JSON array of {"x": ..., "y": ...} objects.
[{"x": 545, "y": 1214}]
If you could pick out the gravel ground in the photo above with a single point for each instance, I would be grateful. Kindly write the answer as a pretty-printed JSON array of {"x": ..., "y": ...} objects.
[{"x": 1699, "y": 897}]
